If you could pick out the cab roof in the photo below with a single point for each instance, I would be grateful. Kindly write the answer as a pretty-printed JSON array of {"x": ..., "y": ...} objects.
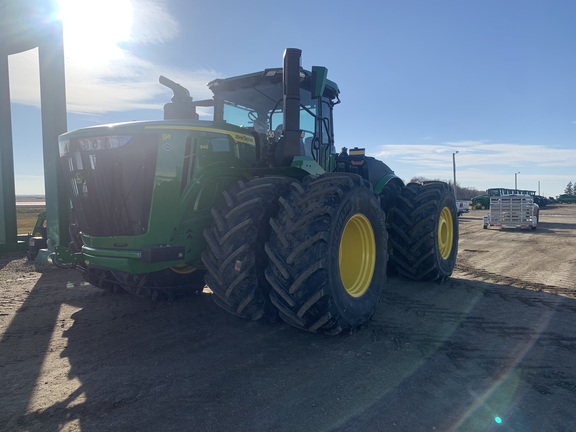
[{"x": 268, "y": 83}]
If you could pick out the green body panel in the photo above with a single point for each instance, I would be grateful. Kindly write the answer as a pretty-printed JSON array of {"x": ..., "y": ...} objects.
[
  {"x": 307, "y": 164},
  {"x": 177, "y": 215},
  {"x": 124, "y": 260},
  {"x": 180, "y": 209},
  {"x": 379, "y": 187}
]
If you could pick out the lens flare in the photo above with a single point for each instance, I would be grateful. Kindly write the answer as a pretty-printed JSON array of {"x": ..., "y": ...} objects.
[{"x": 94, "y": 28}]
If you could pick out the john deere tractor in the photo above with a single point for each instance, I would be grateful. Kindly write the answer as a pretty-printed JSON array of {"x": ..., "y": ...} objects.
[{"x": 255, "y": 203}]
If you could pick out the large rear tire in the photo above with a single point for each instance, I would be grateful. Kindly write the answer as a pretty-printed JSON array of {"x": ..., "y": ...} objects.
[
  {"x": 235, "y": 256},
  {"x": 424, "y": 231},
  {"x": 328, "y": 253}
]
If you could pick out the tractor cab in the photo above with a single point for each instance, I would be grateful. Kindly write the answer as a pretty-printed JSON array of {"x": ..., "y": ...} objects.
[{"x": 257, "y": 103}]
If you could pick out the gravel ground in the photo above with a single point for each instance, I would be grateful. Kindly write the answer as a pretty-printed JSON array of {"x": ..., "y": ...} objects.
[{"x": 492, "y": 348}]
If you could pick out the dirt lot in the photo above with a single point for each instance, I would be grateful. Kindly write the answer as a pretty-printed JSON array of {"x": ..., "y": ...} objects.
[{"x": 493, "y": 348}]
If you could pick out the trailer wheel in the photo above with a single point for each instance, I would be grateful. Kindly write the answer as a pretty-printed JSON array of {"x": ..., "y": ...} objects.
[
  {"x": 235, "y": 257},
  {"x": 327, "y": 253},
  {"x": 424, "y": 232}
]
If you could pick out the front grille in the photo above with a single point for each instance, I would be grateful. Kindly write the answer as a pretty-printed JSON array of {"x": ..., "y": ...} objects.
[{"x": 111, "y": 188}]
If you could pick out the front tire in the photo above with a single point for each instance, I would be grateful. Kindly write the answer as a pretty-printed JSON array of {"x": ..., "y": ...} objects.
[
  {"x": 102, "y": 279},
  {"x": 235, "y": 256},
  {"x": 327, "y": 253},
  {"x": 424, "y": 231},
  {"x": 167, "y": 284}
]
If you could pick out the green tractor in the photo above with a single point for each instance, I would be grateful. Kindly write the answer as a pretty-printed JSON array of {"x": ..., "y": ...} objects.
[{"x": 255, "y": 203}]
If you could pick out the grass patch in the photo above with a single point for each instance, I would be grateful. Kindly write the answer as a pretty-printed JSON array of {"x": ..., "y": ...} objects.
[{"x": 26, "y": 217}]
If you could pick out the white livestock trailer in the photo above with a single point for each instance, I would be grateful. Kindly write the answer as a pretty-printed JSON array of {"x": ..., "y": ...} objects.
[{"x": 512, "y": 208}]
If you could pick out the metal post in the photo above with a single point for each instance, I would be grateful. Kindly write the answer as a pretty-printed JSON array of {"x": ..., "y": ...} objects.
[
  {"x": 25, "y": 25},
  {"x": 8, "y": 225},
  {"x": 454, "y": 169},
  {"x": 53, "y": 101},
  {"x": 516, "y": 180}
]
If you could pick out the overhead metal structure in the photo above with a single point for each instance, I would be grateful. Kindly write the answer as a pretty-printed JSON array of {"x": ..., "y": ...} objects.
[{"x": 25, "y": 25}]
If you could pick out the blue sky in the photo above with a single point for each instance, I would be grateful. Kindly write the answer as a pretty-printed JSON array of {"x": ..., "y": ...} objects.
[{"x": 494, "y": 80}]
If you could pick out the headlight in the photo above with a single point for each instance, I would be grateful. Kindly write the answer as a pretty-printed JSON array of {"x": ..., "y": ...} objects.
[
  {"x": 103, "y": 142},
  {"x": 63, "y": 146}
]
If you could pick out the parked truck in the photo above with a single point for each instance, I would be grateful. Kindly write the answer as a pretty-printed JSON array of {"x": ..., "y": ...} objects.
[
  {"x": 462, "y": 206},
  {"x": 255, "y": 202},
  {"x": 512, "y": 208}
]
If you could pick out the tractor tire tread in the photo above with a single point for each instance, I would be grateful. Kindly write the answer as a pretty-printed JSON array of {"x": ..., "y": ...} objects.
[{"x": 235, "y": 257}]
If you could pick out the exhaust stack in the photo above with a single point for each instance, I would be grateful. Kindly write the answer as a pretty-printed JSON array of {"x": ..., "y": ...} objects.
[{"x": 290, "y": 144}]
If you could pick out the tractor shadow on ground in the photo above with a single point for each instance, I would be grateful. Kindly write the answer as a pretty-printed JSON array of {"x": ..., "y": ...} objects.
[{"x": 458, "y": 353}]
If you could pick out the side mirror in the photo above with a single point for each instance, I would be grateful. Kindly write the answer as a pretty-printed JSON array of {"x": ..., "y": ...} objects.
[{"x": 319, "y": 74}]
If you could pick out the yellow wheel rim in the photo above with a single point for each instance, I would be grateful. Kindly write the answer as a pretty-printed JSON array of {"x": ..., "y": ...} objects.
[
  {"x": 445, "y": 232},
  {"x": 357, "y": 256},
  {"x": 183, "y": 269}
]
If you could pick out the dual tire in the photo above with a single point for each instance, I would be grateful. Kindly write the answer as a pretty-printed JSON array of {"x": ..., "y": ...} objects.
[
  {"x": 313, "y": 252},
  {"x": 328, "y": 254},
  {"x": 234, "y": 256},
  {"x": 423, "y": 228}
]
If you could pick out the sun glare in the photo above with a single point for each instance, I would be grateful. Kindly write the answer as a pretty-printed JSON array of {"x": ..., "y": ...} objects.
[{"x": 94, "y": 28}]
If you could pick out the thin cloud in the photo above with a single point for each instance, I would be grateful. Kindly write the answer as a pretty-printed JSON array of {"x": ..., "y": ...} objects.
[
  {"x": 484, "y": 164},
  {"x": 478, "y": 154},
  {"x": 152, "y": 23}
]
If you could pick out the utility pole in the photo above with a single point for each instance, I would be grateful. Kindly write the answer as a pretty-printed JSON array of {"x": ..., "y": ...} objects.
[{"x": 454, "y": 169}]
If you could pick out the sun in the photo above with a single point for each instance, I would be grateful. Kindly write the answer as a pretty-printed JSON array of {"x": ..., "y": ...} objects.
[{"x": 94, "y": 28}]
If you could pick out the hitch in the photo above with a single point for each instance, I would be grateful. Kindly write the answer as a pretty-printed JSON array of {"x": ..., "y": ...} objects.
[{"x": 63, "y": 258}]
